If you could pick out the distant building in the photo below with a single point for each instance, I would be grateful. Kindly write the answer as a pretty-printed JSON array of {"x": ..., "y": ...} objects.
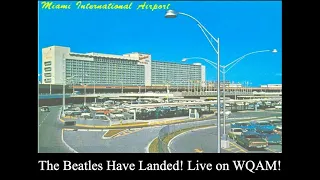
[
  {"x": 272, "y": 86},
  {"x": 133, "y": 69}
]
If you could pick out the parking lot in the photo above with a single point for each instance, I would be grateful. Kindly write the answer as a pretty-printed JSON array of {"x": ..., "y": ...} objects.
[
  {"x": 197, "y": 141},
  {"x": 115, "y": 112}
]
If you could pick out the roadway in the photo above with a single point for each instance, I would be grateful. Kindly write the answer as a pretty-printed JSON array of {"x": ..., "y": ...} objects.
[
  {"x": 92, "y": 142},
  {"x": 84, "y": 141},
  {"x": 49, "y": 134},
  {"x": 197, "y": 140}
]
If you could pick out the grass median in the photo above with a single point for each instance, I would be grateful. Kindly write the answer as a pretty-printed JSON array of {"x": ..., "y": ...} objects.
[
  {"x": 154, "y": 148},
  {"x": 112, "y": 132}
]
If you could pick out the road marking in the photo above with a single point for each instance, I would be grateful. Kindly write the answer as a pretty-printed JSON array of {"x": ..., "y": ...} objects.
[
  {"x": 62, "y": 139},
  {"x": 148, "y": 146},
  {"x": 193, "y": 130},
  {"x": 198, "y": 150},
  {"x": 271, "y": 150},
  {"x": 44, "y": 119},
  {"x": 238, "y": 147},
  {"x": 95, "y": 130}
]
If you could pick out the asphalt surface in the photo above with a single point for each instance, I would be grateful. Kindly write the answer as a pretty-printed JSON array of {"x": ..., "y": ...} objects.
[
  {"x": 234, "y": 116},
  {"x": 92, "y": 142},
  {"x": 49, "y": 134},
  {"x": 50, "y": 131},
  {"x": 192, "y": 141}
]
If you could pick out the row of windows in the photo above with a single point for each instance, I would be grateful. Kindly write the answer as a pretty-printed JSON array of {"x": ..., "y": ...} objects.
[
  {"x": 47, "y": 69},
  {"x": 47, "y": 63},
  {"x": 47, "y": 80}
]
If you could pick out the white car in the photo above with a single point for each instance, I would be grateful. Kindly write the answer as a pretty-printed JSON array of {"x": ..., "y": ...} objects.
[
  {"x": 151, "y": 109},
  {"x": 85, "y": 115},
  {"x": 44, "y": 109},
  {"x": 227, "y": 113},
  {"x": 97, "y": 108},
  {"x": 116, "y": 115},
  {"x": 278, "y": 107},
  {"x": 101, "y": 117}
]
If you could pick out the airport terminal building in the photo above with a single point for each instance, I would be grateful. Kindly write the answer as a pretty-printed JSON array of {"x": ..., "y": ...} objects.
[{"x": 59, "y": 64}]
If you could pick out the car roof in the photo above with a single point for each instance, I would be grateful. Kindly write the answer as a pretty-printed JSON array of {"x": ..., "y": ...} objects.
[
  {"x": 242, "y": 123},
  {"x": 236, "y": 128},
  {"x": 263, "y": 128},
  {"x": 250, "y": 133},
  {"x": 262, "y": 122}
]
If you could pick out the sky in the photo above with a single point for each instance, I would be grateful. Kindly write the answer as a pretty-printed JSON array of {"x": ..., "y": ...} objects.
[{"x": 242, "y": 27}]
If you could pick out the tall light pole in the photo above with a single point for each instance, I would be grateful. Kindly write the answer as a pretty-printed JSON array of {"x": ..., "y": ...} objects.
[
  {"x": 173, "y": 14},
  {"x": 224, "y": 71}
]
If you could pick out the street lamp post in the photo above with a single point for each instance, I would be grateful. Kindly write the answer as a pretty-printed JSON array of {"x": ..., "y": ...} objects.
[
  {"x": 224, "y": 71},
  {"x": 173, "y": 14}
]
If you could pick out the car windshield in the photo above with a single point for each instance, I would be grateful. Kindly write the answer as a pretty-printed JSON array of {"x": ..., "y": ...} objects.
[
  {"x": 267, "y": 131},
  {"x": 252, "y": 136},
  {"x": 243, "y": 124},
  {"x": 237, "y": 130}
]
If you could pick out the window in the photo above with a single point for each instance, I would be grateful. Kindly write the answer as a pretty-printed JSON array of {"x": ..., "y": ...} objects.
[
  {"x": 47, "y": 74},
  {"x": 47, "y": 69},
  {"x": 48, "y": 63},
  {"x": 47, "y": 80}
]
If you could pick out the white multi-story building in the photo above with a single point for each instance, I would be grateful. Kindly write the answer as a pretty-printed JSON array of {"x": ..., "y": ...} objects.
[{"x": 60, "y": 65}]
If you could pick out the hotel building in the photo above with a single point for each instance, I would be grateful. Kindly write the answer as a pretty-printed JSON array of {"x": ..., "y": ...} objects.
[{"x": 60, "y": 65}]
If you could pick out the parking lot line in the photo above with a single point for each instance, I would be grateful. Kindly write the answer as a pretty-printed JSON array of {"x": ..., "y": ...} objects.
[
  {"x": 198, "y": 150},
  {"x": 271, "y": 150},
  {"x": 238, "y": 147}
]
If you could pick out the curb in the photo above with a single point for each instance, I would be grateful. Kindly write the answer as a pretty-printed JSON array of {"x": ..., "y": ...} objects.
[
  {"x": 195, "y": 129},
  {"x": 139, "y": 125},
  {"x": 148, "y": 146},
  {"x": 227, "y": 124},
  {"x": 62, "y": 139},
  {"x": 111, "y": 136}
]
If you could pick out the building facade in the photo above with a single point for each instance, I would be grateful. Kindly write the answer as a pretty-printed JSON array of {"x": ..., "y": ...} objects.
[{"x": 60, "y": 65}]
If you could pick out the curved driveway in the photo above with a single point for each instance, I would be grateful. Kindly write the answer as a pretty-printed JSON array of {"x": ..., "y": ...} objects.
[
  {"x": 49, "y": 132},
  {"x": 92, "y": 142},
  {"x": 206, "y": 140}
]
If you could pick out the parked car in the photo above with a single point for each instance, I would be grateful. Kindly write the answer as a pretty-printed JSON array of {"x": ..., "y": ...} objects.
[
  {"x": 278, "y": 130},
  {"x": 275, "y": 122},
  {"x": 85, "y": 115},
  {"x": 44, "y": 109},
  {"x": 251, "y": 140},
  {"x": 262, "y": 124},
  {"x": 116, "y": 115},
  {"x": 235, "y": 132},
  {"x": 100, "y": 117},
  {"x": 243, "y": 125},
  {"x": 269, "y": 135},
  {"x": 76, "y": 113}
]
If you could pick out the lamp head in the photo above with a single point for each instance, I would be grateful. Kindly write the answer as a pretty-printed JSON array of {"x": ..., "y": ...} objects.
[
  {"x": 274, "y": 51},
  {"x": 170, "y": 14}
]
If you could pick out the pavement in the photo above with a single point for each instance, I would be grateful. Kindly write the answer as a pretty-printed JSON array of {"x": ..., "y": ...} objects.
[
  {"x": 197, "y": 141},
  {"x": 92, "y": 142},
  {"x": 49, "y": 134},
  {"x": 233, "y": 116},
  {"x": 50, "y": 139}
]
